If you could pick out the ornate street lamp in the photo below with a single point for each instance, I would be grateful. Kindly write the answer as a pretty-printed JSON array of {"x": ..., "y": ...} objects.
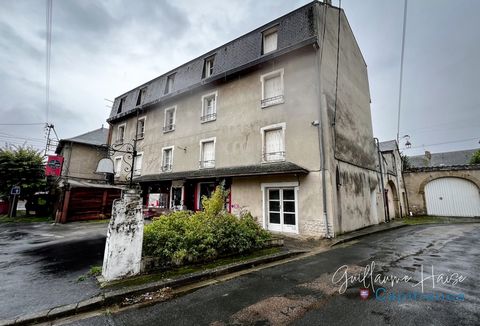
[{"x": 129, "y": 151}]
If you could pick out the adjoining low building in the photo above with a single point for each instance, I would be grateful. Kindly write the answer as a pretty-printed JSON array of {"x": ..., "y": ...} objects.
[
  {"x": 273, "y": 115},
  {"x": 443, "y": 184},
  {"x": 395, "y": 195},
  {"x": 85, "y": 195}
]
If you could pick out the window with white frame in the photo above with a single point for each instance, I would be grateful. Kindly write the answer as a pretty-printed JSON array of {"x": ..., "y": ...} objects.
[
  {"x": 207, "y": 153},
  {"x": 270, "y": 38},
  {"x": 281, "y": 209},
  {"x": 167, "y": 159},
  {"x": 141, "y": 128},
  {"x": 208, "y": 67},
  {"x": 272, "y": 88},
  {"x": 121, "y": 133},
  {"x": 141, "y": 96},
  {"x": 273, "y": 143},
  {"x": 118, "y": 166},
  {"x": 209, "y": 107},
  {"x": 169, "y": 83},
  {"x": 137, "y": 170},
  {"x": 169, "y": 122}
]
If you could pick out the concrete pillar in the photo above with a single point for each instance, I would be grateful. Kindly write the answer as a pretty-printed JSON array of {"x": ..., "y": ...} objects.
[{"x": 123, "y": 250}]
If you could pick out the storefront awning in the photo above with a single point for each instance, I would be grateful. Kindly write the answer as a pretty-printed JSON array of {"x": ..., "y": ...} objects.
[{"x": 239, "y": 171}]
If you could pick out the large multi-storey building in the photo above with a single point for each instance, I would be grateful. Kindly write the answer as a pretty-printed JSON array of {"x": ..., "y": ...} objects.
[{"x": 281, "y": 114}]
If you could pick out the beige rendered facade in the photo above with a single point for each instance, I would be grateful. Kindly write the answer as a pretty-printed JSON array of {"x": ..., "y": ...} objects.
[{"x": 289, "y": 134}]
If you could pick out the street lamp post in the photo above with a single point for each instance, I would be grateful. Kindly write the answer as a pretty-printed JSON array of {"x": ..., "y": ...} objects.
[{"x": 129, "y": 150}]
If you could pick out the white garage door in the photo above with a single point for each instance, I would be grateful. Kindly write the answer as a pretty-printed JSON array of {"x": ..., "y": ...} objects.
[{"x": 452, "y": 197}]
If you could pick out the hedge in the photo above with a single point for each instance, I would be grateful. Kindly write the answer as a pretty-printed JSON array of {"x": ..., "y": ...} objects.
[{"x": 185, "y": 237}]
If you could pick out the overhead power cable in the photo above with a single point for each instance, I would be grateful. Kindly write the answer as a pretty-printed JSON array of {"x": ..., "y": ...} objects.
[
  {"x": 48, "y": 57},
  {"x": 443, "y": 143}
]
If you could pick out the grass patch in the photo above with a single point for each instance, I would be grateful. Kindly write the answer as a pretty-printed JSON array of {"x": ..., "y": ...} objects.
[
  {"x": 24, "y": 219},
  {"x": 180, "y": 271},
  {"x": 418, "y": 220},
  {"x": 95, "y": 271}
]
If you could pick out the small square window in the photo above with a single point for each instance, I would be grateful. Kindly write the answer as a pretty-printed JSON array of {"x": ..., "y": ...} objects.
[
  {"x": 169, "y": 123},
  {"x": 209, "y": 107},
  {"x": 169, "y": 83},
  {"x": 141, "y": 128},
  {"x": 270, "y": 38},
  {"x": 120, "y": 105},
  {"x": 208, "y": 67},
  {"x": 141, "y": 96}
]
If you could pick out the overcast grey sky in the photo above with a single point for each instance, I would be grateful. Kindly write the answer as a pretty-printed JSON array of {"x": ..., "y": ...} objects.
[{"x": 100, "y": 49}]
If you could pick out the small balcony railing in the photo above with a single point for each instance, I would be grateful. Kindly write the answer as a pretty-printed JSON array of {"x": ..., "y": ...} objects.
[
  {"x": 168, "y": 128},
  {"x": 272, "y": 101},
  {"x": 274, "y": 156},
  {"x": 207, "y": 164},
  {"x": 208, "y": 117}
]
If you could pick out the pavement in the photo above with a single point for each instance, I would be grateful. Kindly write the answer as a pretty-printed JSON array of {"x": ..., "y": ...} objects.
[
  {"x": 55, "y": 256},
  {"x": 302, "y": 291},
  {"x": 40, "y": 264}
]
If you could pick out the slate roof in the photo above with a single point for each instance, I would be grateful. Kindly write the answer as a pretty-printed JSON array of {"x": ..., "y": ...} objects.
[
  {"x": 387, "y": 146},
  {"x": 295, "y": 30},
  {"x": 442, "y": 159},
  {"x": 95, "y": 137},
  {"x": 240, "y": 171}
]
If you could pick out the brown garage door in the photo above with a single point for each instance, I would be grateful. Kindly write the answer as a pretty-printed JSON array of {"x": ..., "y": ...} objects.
[{"x": 91, "y": 203}]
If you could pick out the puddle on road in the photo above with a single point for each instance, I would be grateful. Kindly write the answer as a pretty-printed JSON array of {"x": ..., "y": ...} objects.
[
  {"x": 12, "y": 236},
  {"x": 65, "y": 257}
]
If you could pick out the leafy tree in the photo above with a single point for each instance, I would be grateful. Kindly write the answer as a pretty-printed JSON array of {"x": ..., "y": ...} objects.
[
  {"x": 21, "y": 166},
  {"x": 405, "y": 162},
  {"x": 475, "y": 159}
]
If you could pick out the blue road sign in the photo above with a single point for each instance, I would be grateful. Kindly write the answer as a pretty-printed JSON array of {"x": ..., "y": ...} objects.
[{"x": 15, "y": 190}]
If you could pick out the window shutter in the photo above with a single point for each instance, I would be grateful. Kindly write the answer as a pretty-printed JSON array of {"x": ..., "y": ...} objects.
[
  {"x": 170, "y": 115},
  {"x": 270, "y": 42},
  {"x": 138, "y": 163},
  {"x": 273, "y": 87},
  {"x": 208, "y": 152},
  {"x": 118, "y": 166},
  {"x": 274, "y": 145}
]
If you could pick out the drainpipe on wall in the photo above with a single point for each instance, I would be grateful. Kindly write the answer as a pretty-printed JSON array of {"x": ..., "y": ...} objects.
[
  {"x": 380, "y": 162},
  {"x": 319, "y": 124}
]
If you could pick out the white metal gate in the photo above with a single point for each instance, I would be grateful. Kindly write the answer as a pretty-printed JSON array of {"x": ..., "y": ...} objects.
[{"x": 452, "y": 197}]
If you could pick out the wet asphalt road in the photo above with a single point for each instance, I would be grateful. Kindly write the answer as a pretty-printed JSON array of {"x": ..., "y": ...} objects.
[
  {"x": 302, "y": 292},
  {"x": 41, "y": 262}
]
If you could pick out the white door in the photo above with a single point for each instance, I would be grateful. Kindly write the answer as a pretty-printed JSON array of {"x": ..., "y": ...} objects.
[
  {"x": 452, "y": 197},
  {"x": 281, "y": 210}
]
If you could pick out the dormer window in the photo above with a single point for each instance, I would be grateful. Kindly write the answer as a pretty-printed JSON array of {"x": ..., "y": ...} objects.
[
  {"x": 141, "y": 96},
  {"x": 270, "y": 38},
  {"x": 169, "y": 83},
  {"x": 120, "y": 105},
  {"x": 208, "y": 67}
]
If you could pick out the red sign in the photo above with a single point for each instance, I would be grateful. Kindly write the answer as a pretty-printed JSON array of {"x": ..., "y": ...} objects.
[{"x": 54, "y": 165}]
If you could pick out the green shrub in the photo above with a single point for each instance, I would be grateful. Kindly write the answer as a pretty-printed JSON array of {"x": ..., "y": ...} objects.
[{"x": 186, "y": 237}]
